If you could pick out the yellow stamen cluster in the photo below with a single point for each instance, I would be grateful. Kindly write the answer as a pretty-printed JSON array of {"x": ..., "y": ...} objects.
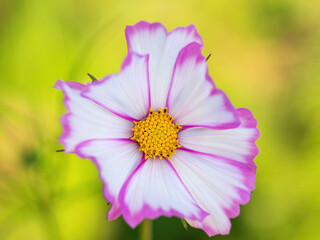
[{"x": 157, "y": 134}]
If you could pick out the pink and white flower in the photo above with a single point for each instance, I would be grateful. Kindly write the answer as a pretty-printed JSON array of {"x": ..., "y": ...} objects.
[{"x": 192, "y": 158}]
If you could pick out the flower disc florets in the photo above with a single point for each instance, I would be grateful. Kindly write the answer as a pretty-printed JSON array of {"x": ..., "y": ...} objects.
[{"x": 157, "y": 134}]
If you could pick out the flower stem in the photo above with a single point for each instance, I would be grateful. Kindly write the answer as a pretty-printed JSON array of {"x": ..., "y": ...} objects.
[{"x": 146, "y": 230}]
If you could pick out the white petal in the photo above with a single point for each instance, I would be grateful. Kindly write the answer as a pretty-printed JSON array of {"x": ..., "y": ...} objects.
[
  {"x": 217, "y": 184},
  {"x": 86, "y": 120},
  {"x": 125, "y": 94},
  {"x": 237, "y": 143},
  {"x": 145, "y": 38},
  {"x": 155, "y": 189},
  {"x": 116, "y": 159},
  {"x": 193, "y": 99},
  {"x": 163, "y": 48}
]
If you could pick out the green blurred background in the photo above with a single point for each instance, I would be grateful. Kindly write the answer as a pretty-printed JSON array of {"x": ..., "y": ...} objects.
[{"x": 265, "y": 56}]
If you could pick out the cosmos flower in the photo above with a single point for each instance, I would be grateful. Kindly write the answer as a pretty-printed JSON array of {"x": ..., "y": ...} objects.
[{"x": 165, "y": 140}]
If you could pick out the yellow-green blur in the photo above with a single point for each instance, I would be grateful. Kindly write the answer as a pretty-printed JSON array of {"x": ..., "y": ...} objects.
[{"x": 265, "y": 56}]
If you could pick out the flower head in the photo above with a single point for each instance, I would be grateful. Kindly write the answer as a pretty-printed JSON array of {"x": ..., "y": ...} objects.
[{"x": 166, "y": 141}]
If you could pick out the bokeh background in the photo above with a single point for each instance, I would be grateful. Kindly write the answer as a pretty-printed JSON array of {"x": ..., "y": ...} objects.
[{"x": 265, "y": 56}]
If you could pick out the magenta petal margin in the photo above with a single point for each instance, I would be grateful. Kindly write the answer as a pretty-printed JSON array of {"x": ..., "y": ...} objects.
[
  {"x": 153, "y": 27},
  {"x": 249, "y": 134},
  {"x": 111, "y": 80},
  {"x": 147, "y": 211},
  {"x": 220, "y": 115},
  {"x": 64, "y": 119}
]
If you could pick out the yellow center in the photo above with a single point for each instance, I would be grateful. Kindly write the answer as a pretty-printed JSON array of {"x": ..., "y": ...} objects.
[{"x": 157, "y": 134}]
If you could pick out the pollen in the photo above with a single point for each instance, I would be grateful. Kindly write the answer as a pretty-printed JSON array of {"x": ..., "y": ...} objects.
[{"x": 157, "y": 134}]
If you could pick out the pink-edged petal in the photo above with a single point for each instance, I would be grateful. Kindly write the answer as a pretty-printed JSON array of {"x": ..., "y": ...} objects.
[
  {"x": 217, "y": 184},
  {"x": 193, "y": 99},
  {"x": 163, "y": 48},
  {"x": 155, "y": 189},
  {"x": 125, "y": 94},
  {"x": 146, "y": 38},
  {"x": 115, "y": 159},
  {"x": 237, "y": 143},
  {"x": 86, "y": 120},
  {"x": 114, "y": 211}
]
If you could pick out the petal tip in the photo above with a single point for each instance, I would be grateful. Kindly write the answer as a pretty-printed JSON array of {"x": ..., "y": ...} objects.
[{"x": 58, "y": 84}]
